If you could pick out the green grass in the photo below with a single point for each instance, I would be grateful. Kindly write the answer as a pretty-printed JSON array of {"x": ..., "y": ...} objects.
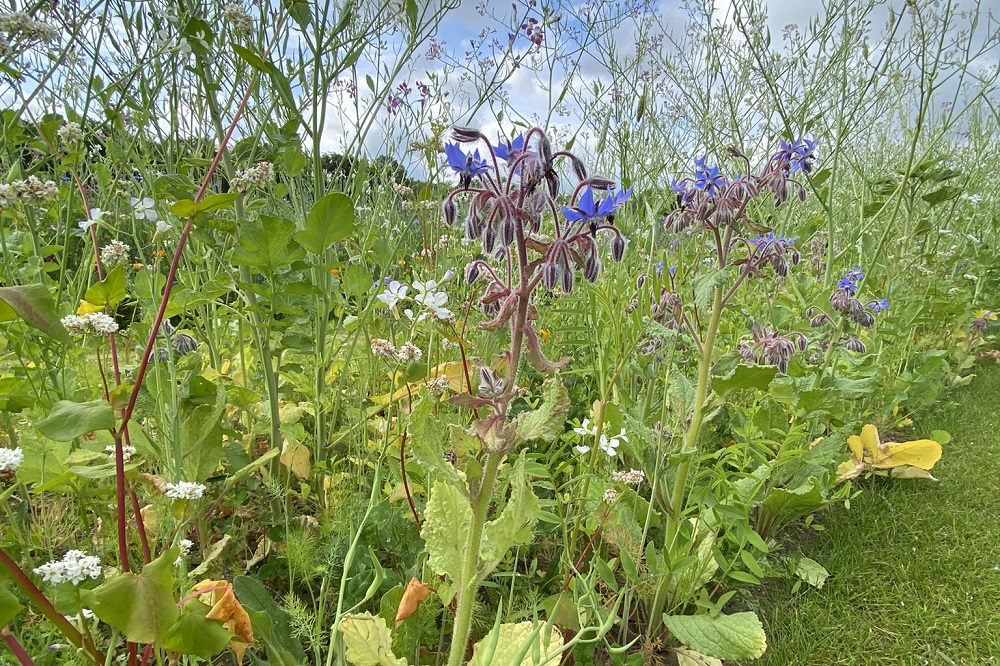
[{"x": 915, "y": 566}]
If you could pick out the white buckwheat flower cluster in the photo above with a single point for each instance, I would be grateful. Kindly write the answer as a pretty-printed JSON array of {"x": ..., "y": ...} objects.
[
  {"x": 186, "y": 490},
  {"x": 94, "y": 322},
  {"x": 438, "y": 385},
  {"x": 75, "y": 567},
  {"x": 384, "y": 349},
  {"x": 22, "y": 25},
  {"x": 259, "y": 175},
  {"x": 31, "y": 192},
  {"x": 10, "y": 459},
  {"x": 114, "y": 254},
  {"x": 237, "y": 18},
  {"x": 633, "y": 477},
  {"x": 70, "y": 133},
  {"x": 409, "y": 353},
  {"x": 128, "y": 451}
]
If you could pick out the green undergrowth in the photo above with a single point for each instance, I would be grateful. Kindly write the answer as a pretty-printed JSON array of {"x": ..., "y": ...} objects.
[{"x": 915, "y": 566}]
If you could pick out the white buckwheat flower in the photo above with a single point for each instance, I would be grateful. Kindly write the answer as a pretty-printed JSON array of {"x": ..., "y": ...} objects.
[
  {"x": 384, "y": 349},
  {"x": 409, "y": 353},
  {"x": 101, "y": 323},
  {"x": 114, "y": 254},
  {"x": 128, "y": 451},
  {"x": 10, "y": 459},
  {"x": 75, "y": 567},
  {"x": 187, "y": 490},
  {"x": 610, "y": 495},
  {"x": 75, "y": 325},
  {"x": 70, "y": 133},
  {"x": 633, "y": 477}
]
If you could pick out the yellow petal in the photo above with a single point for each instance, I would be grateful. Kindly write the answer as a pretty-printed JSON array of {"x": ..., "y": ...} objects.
[
  {"x": 87, "y": 308},
  {"x": 922, "y": 453},
  {"x": 857, "y": 449}
]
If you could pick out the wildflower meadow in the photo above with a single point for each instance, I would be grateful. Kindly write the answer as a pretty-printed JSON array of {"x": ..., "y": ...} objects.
[{"x": 399, "y": 333}]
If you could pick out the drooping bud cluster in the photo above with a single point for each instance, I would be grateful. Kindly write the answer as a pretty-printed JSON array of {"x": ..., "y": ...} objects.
[
  {"x": 771, "y": 348},
  {"x": 844, "y": 301}
]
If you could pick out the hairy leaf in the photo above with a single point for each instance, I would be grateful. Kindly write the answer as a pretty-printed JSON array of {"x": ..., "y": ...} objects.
[
  {"x": 736, "y": 636},
  {"x": 368, "y": 640},
  {"x": 514, "y": 639},
  {"x": 545, "y": 423},
  {"x": 447, "y": 521},
  {"x": 515, "y": 523}
]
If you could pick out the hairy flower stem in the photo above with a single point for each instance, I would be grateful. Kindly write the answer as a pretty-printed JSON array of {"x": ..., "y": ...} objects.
[
  {"x": 470, "y": 567},
  {"x": 689, "y": 451},
  {"x": 47, "y": 609}
]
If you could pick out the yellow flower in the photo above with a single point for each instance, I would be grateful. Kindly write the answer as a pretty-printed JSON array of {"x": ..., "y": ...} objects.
[{"x": 543, "y": 333}]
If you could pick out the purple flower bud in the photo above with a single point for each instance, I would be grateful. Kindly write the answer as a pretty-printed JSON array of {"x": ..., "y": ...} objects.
[
  {"x": 618, "y": 248},
  {"x": 472, "y": 272},
  {"x": 854, "y": 345},
  {"x": 579, "y": 170},
  {"x": 552, "y": 182},
  {"x": 591, "y": 267},
  {"x": 489, "y": 239},
  {"x": 506, "y": 232},
  {"x": 545, "y": 149},
  {"x": 450, "y": 211},
  {"x": 640, "y": 281},
  {"x": 550, "y": 275},
  {"x": 466, "y": 134},
  {"x": 567, "y": 277},
  {"x": 473, "y": 225}
]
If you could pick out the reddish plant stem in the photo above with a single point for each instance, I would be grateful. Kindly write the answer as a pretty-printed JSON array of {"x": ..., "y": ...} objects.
[
  {"x": 31, "y": 591},
  {"x": 139, "y": 524},
  {"x": 402, "y": 464},
  {"x": 147, "y": 653},
  {"x": 15, "y": 647},
  {"x": 579, "y": 560}
]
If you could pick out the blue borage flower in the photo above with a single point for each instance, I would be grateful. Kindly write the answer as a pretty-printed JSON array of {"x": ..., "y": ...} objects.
[
  {"x": 879, "y": 305},
  {"x": 593, "y": 212},
  {"x": 509, "y": 150},
  {"x": 466, "y": 166}
]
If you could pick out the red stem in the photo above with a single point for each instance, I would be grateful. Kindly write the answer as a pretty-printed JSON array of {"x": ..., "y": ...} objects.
[{"x": 16, "y": 648}]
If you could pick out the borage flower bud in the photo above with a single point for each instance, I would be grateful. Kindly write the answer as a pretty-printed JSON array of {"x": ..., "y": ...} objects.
[
  {"x": 545, "y": 149},
  {"x": 466, "y": 134},
  {"x": 472, "y": 272},
  {"x": 450, "y": 211},
  {"x": 506, "y": 232},
  {"x": 579, "y": 170},
  {"x": 550, "y": 275},
  {"x": 854, "y": 345},
  {"x": 566, "y": 274},
  {"x": 473, "y": 225},
  {"x": 591, "y": 267},
  {"x": 618, "y": 248}
]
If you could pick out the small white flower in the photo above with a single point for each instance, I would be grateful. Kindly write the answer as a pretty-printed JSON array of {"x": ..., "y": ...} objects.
[
  {"x": 424, "y": 287},
  {"x": 610, "y": 444},
  {"x": 383, "y": 348},
  {"x": 70, "y": 133},
  {"x": 75, "y": 566},
  {"x": 610, "y": 495},
  {"x": 186, "y": 545},
  {"x": 162, "y": 227},
  {"x": 409, "y": 353},
  {"x": 187, "y": 490},
  {"x": 114, "y": 254},
  {"x": 586, "y": 429},
  {"x": 393, "y": 294},
  {"x": 581, "y": 449},
  {"x": 101, "y": 323},
  {"x": 143, "y": 209},
  {"x": 75, "y": 325},
  {"x": 128, "y": 451},
  {"x": 10, "y": 459},
  {"x": 95, "y": 217},
  {"x": 633, "y": 477}
]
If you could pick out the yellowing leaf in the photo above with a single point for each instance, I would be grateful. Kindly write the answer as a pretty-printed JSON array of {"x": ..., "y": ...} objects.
[
  {"x": 869, "y": 453},
  {"x": 368, "y": 640},
  {"x": 416, "y": 592},
  {"x": 228, "y": 610},
  {"x": 295, "y": 456}
]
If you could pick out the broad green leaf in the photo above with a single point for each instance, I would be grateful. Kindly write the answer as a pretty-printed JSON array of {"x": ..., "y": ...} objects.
[
  {"x": 515, "y": 523},
  {"x": 270, "y": 623},
  {"x": 110, "y": 291},
  {"x": 248, "y": 56},
  {"x": 427, "y": 435},
  {"x": 941, "y": 195},
  {"x": 193, "y": 634},
  {"x": 266, "y": 244},
  {"x": 705, "y": 286},
  {"x": 330, "y": 220},
  {"x": 357, "y": 281},
  {"x": 447, "y": 522},
  {"x": 69, "y": 420},
  {"x": 9, "y": 606},
  {"x": 736, "y": 636},
  {"x": 141, "y": 606},
  {"x": 547, "y": 422},
  {"x": 518, "y": 639},
  {"x": 201, "y": 437},
  {"x": 783, "y": 505},
  {"x": 33, "y": 303},
  {"x": 744, "y": 377},
  {"x": 811, "y": 572},
  {"x": 368, "y": 640}
]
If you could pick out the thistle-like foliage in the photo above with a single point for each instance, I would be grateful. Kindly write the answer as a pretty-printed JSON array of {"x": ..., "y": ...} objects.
[{"x": 509, "y": 207}]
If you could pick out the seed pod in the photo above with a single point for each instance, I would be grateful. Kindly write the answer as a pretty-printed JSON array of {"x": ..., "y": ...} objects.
[
  {"x": 618, "y": 248},
  {"x": 450, "y": 211}
]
